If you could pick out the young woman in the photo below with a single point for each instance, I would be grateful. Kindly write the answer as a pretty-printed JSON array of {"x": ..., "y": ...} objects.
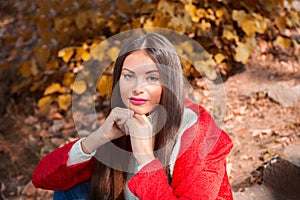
[{"x": 178, "y": 152}]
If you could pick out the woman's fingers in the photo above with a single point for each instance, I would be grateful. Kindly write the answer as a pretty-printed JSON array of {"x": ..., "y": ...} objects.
[
  {"x": 139, "y": 127},
  {"x": 113, "y": 127},
  {"x": 141, "y": 138},
  {"x": 142, "y": 119},
  {"x": 121, "y": 114}
]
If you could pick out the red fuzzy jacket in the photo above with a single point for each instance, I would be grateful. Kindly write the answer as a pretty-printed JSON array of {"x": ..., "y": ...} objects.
[{"x": 199, "y": 171}]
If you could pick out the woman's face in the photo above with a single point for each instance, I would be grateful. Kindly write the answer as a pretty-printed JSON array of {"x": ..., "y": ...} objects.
[{"x": 140, "y": 84}]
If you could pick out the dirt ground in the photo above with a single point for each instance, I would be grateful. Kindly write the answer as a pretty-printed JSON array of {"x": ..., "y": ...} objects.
[{"x": 259, "y": 126}]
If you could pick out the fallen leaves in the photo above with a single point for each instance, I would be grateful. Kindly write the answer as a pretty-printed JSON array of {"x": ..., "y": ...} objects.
[
  {"x": 80, "y": 87},
  {"x": 66, "y": 54},
  {"x": 283, "y": 42},
  {"x": 44, "y": 104},
  {"x": 64, "y": 101},
  {"x": 53, "y": 88}
]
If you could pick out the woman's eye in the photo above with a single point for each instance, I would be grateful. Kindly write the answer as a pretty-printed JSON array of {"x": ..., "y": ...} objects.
[
  {"x": 128, "y": 76},
  {"x": 153, "y": 78}
]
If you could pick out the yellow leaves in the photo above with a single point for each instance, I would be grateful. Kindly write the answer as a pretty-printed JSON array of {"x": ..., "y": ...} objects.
[
  {"x": 187, "y": 46},
  {"x": 280, "y": 22},
  {"x": 210, "y": 14},
  {"x": 53, "y": 88},
  {"x": 211, "y": 23},
  {"x": 81, "y": 53},
  {"x": 64, "y": 101},
  {"x": 75, "y": 53},
  {"x": 283, "y": 42},
  {"x": 81, "y": 20},
  {"x": 206, "y": 67},
  {"x": 204, "y": 25},
  {"x": 243, "y": 50},
  {"x": 205, "y": 16},
  {"x": 54, "y": 93},
  {"x": 113, "y": 53},
  {"x": 242, "y": 53},
  {"x": 166, "y": 7},
  {"x": 34, "y": 68},
  {"x": 229, "y": 33},
  {"x": 98, "y": 51},
  {"x": 260, "y": 23},
  {"x": 113, "y": 26},
  {"x": 219, "y": 58},
  {"x": 292, "y": 20},
  {"x": 147, "y": 7},
  {"x": 45, "y": 104},
  {"x": 104, "y": 85},
  {"x": 148, "y": 23},
  {"x": 66, "y": 54},
  {"x": 219, "y": 13},
  {"x": 294, "y": 17},
  {"x": 68, "y": 79},
  {"x": 250, "y": 24},
  {"x": 186, "y": 1},
  {"x": 52, "y": 65},
  {"x": 201, "y": 13},
  {"x": 244, "y": 21},
  {"x": 79, "y": 87},
  {"x": 29, "y": 68},
  {"x": 25, "y": 69},
  {"x": 170, "y": 16},
  {"x": 191, "y": 10}
]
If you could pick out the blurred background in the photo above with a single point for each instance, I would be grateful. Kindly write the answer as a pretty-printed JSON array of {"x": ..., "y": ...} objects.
[{"x": 254, "y": 46}]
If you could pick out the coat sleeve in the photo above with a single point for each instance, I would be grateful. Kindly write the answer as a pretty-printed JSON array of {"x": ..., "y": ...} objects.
[
  {"x": 52, "y": 172},
  {"x": 192, "y": 179}
]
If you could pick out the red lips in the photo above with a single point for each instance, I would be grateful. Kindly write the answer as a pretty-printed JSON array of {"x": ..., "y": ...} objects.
[{"x": 138, "y": 101}]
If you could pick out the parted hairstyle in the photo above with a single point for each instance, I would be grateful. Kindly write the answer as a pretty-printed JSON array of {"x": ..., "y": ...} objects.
[{"x": 109, "y": 183}]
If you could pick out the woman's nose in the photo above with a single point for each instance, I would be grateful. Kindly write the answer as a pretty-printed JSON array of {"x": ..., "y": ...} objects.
[{"x": 139, "y": 86}]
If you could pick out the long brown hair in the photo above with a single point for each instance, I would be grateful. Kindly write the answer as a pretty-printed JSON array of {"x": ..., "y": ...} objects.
[{"x": 109, "y": 182}]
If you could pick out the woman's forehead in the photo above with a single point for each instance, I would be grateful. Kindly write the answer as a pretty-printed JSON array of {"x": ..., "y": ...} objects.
[{"x": 139, "y": 61}]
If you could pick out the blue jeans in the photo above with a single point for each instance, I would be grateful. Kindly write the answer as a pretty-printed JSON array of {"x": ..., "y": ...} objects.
[{"x": 78, "y": 192}]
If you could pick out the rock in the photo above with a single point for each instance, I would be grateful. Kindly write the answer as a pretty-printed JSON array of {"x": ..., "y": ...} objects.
[
  {"x": 281, "y": 180},
  {"x": 256, "y": 192},
  {"x": 282, "y": 177},
  {"x": 284, "y": 93}
]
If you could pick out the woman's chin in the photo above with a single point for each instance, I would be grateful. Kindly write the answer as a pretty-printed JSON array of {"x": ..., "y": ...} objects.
[{"x": 140, "y": 111}]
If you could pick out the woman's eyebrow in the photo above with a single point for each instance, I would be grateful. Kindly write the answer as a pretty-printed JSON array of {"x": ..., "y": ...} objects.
[
  {"x": 128, "y": 70},
  {"x": 155, "y": 70}
]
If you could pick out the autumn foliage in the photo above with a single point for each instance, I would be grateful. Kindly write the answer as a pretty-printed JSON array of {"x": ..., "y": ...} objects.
[{"x": 69, "y": 30}]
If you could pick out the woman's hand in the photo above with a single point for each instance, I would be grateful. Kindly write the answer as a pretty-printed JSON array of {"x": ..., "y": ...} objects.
[
  {"x": 110, "y": 129},
  {"x": 140, "y": 130},
  {"x": 114, "y": 125}
]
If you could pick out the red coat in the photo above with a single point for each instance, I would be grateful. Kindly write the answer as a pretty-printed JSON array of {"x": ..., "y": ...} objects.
[{"x": 199, "y": 171}]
